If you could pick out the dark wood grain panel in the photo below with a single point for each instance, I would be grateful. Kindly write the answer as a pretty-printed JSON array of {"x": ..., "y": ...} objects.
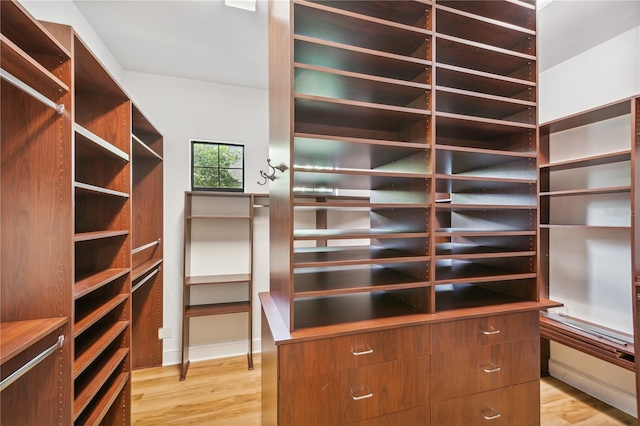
[
  {"x": 466, "y": 372},
  {"x": 489, "y": 330},
  {"x": 357, "y": 350},
  {"x": 418, "y": 416},
  {"x": 332, "y": 398},
  {"x": 514, "y": 405},
  {"x": 414, "y": 13}
]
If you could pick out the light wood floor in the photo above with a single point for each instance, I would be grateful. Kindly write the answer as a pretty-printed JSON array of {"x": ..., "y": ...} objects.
[{"x": 224, "y": 393}]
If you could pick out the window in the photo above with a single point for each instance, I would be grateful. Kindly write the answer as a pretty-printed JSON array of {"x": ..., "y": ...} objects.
[{"x": 217, "y": 166}]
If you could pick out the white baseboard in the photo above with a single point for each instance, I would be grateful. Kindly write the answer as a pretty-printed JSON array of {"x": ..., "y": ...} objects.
[
  {"x": 206, "y": 352},
  {"x": 606, "y": 392}
]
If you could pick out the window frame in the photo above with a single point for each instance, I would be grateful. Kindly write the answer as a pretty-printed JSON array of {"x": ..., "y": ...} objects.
[{"x": 193, "y": 143}]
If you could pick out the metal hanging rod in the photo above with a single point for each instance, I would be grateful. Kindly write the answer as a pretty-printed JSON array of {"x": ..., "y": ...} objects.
[
  {"x": 145, "y": 279},
  {"x": 28, "y": 366},
  {"x": 146, "y": 246},
  {"x": 59, "y": 108}
]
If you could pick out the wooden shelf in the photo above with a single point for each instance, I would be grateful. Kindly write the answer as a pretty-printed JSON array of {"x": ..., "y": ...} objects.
[
  {"x": 351, "y": 179},
  {"x": 337, "y": 112},
  {"x": 27, "y": 33},
  {"x": 472, "y": 251},
  {"x": 336, "y": 205},
  {"x": 89, "y": 351},
  {"x": 345, "y": 57},
  {"x": 587, "y": 191},
  {"x": 351, "y": 153},
  {"x": 216, "y": 217},
  {"x": 86, "y": 189},
  {"x": 594, "y": 115},
  {"x": 325, "y": 282},
  {"x": 216, "y": 309},
  {"x": 458, "y": 52},
  {"x": 459, "y": 297},
  {"x": 218, "y": 279},
  {"x": 470, "y": 206},
  {"x": 464, "y": 272},
  {"x": 458, "y": 232},
  {"x": 311, "y": 257},
  {"x": 349, "y": 308},
  {"x": 88, "y": 283},
  {"x": 482, "y": 162},
  {"x": 17, "y": 336},
  {"x": 474, "y": 104},
  {"x": 465, "y": 183},
  {"x": 340, "y": 26},
  {"x": 19, "y": 63},
  {"x": 484, "y": 82},
  {"x": 91, "y": 311},
  {"x": 92, "y": 77},
  {"x": 106, "y": 400},
  {"x": 313, "y": 80},
  {"x": 518, "y": 13},
  {"x": 458, "y": 23},
  {"x": 339, "y": 234},
  {"x": 88, "y": 144},
  {"x": 145, "y": 267},
  {"x": 475, "y": 128},
  {"x": 595, "y": 160},
  {"x": 97, "y": 381},
  {"x": 98, "y": 235},
  {"x": 412, "y": 13},
  {"x": 142, "y": 150}
]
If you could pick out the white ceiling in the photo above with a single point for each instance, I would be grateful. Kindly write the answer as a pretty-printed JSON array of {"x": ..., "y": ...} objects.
[
  {"x": 206, "y": 40},
  {"x": 195, "y": 39}
]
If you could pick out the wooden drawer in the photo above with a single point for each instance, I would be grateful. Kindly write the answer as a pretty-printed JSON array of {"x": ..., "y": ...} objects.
[
  {"x": 357, "y": 394},
  {"x": 471, "y": 333},
  {"x": 485, "y": 368},
  {"x": 357, "y": 350},
  {"x": 513, "y": 405},
  {"x": 415, "y": 416}
]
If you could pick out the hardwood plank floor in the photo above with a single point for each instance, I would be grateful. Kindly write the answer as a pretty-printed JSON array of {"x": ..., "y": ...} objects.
[{"x": 223, "y": 392}]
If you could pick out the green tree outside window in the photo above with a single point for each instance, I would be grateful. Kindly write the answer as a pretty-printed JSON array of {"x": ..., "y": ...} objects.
[{"x": 217, "y": 166}]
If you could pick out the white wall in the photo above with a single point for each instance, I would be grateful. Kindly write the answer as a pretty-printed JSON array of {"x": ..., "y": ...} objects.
[
  {"x": 187, "y": 109},
  {"x": 605, "y": 73}
]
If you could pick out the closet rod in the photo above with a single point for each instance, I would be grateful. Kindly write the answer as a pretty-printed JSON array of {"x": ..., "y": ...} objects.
[
  {"x": 147, "y": 278},
  {"x": 146, "y": 246},
  {"x": 28, "y": 366},
  {"x": 59, "y": 108}
]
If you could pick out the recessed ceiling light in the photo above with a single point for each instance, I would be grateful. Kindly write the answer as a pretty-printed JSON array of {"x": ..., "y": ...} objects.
[{"x": 249, "y": 5}]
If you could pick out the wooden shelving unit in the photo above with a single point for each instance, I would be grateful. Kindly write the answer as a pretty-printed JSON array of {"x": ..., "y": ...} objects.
[
  {"x": 216, "y": 223},
  {"x": 588, "y": 195},
  {"x": 147, "y": 240},
  {"x": 102, "y": 322},
  {"x": 421, "y": 115},
  {"x": 66, "y": 228},
  {"x": 36, "y": 343}
]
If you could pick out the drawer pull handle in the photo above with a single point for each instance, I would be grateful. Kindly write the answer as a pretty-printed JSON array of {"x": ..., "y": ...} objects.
[
  {"x": 491, "y": 368},
  {"x": 364, "y": 352},
  {"x": 492, "y": 415},
  {"x": 364, "y": 396},
  {"x": 490, "y": 332}
]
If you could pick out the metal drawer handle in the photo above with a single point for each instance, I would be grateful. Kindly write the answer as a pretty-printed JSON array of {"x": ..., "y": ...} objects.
[
  {"x": 494, "y": 414},
  {"x": 364, "y": 352},
  {"x": 491, "y": 331},
  {"x": 359, "y": 397},
  {"x": 491, "y": 368}
]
